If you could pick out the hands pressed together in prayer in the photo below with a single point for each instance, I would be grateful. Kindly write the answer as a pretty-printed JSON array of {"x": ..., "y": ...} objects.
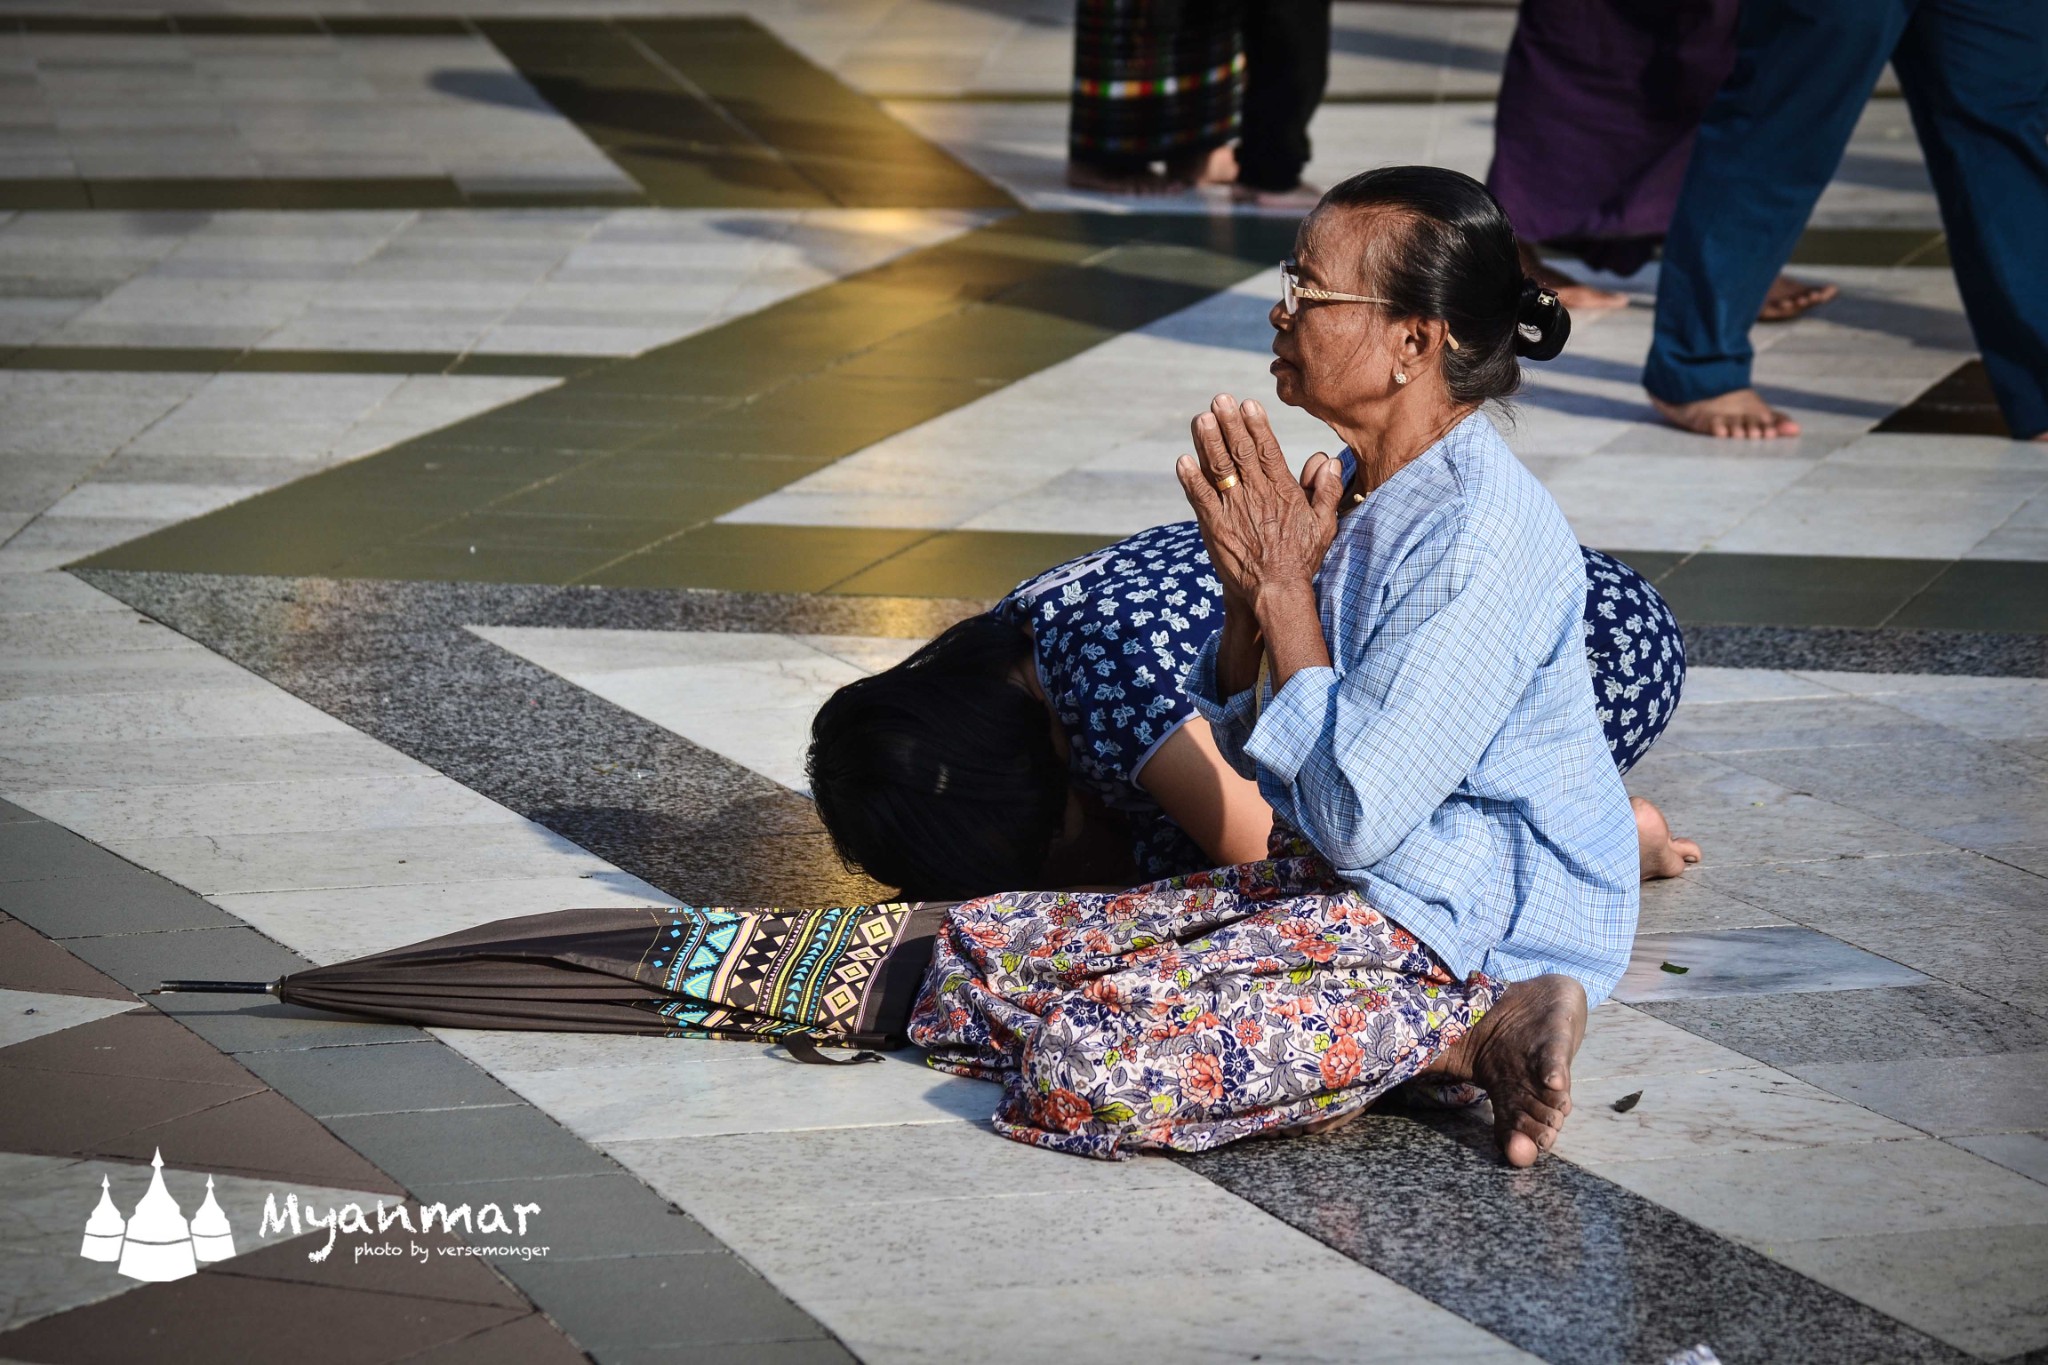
[{"x": 1267, "y": 532}]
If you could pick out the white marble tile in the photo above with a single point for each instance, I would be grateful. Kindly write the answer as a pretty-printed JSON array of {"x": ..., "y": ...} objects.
[
  {"x": 222, "y": 712},
  {"x": 1741, "y": 819},
  {"x": 767, "y": 1091},
  {"x": 1802, "y": 1193},
  {"x": 1737, "y": 727},
  {"x": 32, "y": 1014},
  {"x": 92, "y": 637},
  {"x": 153, "y": 502},
  {"x": 1768, "y": 960},
  {"x": 171, "y": 761},
  {"x": 299, "y": 861},
  {"x": 1705, "y": 686},
  {"x": 746, "y": 697},
  {"x": 1947, "y": 1096},
  {"x": 905, "y": 1181},
  {"x": 2026, "y": 1153},
  {"x": 271, "y": 807},
  {"x": 1978, "y": 1290},
  {"x": 1914, "y": 509},
  {"x": 1745, "y": 1109},
  {"x": 333, "y": 924},
  {"x": 730, "y": 1175},
  {"x": 1624, "y": 1044},
  {"x": 1207, "y": 1320}
]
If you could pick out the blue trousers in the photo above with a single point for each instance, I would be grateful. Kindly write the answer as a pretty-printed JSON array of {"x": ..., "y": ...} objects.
[{"x": 1975, "y": 75}]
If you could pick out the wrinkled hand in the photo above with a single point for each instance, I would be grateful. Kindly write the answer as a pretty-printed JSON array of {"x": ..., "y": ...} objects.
[{"x": 1267, "y": 533}]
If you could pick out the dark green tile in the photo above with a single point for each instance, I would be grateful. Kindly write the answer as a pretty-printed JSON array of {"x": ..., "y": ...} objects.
[
  {"x": 689, "y": 487},
  {"x": 93, "y": 23},
  {"x": 1961, "y": 403},
  {"x": 973, "y": 564},
  {"x": 834, "y": 138},
  {"x": 44, "y": 194},
  {"x": 1872, "y": 246},
  {"x": 122, "y": 358},
  {"x": 139, "y": 194},
  {"x": 758, "y": 558},
  {"x": 1982, "y": 594},
  {"x": 390, "y": 192},
  {"x": 699, "y": 428},
  {"x": 1651, "y": 564},
  {"x": 1792, "y": 590},
  {"x": 496, "y": 530},
  {"x": 454, "y": 563}
]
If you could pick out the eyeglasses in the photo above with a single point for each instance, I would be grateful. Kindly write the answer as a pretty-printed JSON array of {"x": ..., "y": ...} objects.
[{"x": 1293, "y": 291}]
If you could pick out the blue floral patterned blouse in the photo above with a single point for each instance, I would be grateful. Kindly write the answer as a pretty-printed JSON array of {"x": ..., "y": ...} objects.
[{"x": 1115, "y": 633}]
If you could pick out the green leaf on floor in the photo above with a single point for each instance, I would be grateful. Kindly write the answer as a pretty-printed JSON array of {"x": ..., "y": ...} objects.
[
  {"x": 1675, "y": 969},
  {"x": 1627, "y": 1102}
]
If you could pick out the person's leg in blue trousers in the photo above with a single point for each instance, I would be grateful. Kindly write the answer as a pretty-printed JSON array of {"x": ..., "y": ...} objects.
[
  {"x": 1975, "y": 73},
  {"x": 1770, "y": 142}
]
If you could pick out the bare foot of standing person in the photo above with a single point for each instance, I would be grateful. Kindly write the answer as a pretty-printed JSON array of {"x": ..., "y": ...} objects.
[
  {"x": 1576, "y": 297},
  {"x": 1083, "y": 176},
  {"x": 1662, "y": 856},
  {"x": 1520, "y": 1053},
  {"x": 1216, "y": 166},
  {"x": 1792, "y": 297},
  {"x": 1741, "y": 415}
]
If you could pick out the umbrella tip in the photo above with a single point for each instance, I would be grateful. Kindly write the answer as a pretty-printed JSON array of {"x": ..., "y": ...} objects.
[{"x": 183, "y": 985}]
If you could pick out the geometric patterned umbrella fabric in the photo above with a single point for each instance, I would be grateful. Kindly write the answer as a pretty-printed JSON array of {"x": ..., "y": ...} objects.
[{"x": 845, "y": 975}]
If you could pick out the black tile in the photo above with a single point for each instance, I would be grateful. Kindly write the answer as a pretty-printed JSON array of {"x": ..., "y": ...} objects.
[
  {"x": 443, "y": 1145},
  {"x": 238, "y": 1024},
  {"x": 699, "y": 1299},
  {"x": 143, "y": 961},
  {"x": 41, "y": 850},
  {"x": 387, "y": 1077},
  {"x": 118, "y": 898},
  {"x": 585, "y": 1216},
  {"x": 1554, "y": 1259}
]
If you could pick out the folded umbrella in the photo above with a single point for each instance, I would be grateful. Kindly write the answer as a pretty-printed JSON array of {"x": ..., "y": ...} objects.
[{"x": 846, "y": 975}]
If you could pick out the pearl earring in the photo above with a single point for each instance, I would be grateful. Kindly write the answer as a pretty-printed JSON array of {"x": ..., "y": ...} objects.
[{"x": 1400, "y": 376}]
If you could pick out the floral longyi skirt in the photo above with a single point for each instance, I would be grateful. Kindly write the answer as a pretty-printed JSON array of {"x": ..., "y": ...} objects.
[{"x": 1189, "y": 1012}]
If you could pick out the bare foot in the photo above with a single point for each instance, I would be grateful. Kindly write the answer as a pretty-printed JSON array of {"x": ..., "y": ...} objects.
[
  {"x": 1082, "y": 176},
  {"x": 1741, "y": 415},
  {"x": 1576, "y": 297},
  {"x": 1791, "y": 297},
  {"x": 1662, "y": 855},
  {"x": 1521, "y": 1053},
  {"x": 1217, "y": 166}
]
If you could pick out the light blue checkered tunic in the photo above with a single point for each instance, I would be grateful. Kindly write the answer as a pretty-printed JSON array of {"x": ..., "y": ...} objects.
[{"x": 1451, "y": 764}]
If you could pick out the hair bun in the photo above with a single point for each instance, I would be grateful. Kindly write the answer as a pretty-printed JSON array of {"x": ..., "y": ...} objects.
[{"x": 1542, "y": 323}]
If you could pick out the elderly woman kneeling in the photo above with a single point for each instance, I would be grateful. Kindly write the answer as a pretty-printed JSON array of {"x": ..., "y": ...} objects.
[{"x": 1402, "y": 669}]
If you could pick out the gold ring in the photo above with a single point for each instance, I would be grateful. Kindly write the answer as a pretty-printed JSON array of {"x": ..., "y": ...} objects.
[{"x": 1226, "y": 483}]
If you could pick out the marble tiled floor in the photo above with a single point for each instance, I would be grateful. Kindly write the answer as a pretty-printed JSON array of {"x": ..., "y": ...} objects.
[{"x": 1838, "y": 1149}]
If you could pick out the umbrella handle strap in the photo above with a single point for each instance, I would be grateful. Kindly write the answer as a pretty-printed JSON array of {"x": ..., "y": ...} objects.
[{"x": 804, "y": 1048}]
